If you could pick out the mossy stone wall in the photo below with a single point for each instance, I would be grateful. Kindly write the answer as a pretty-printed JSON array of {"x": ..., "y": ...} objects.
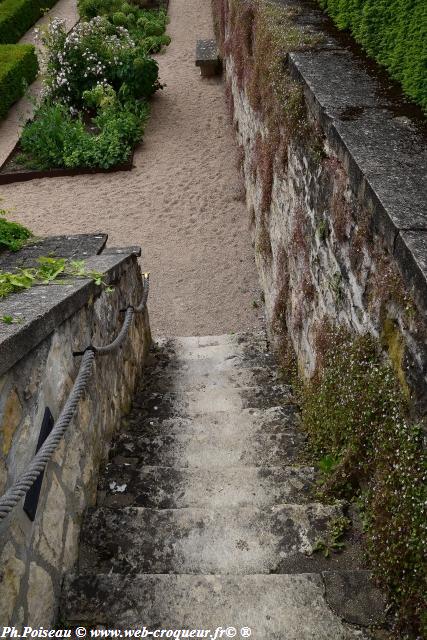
[{"x": 325, "y": 251}]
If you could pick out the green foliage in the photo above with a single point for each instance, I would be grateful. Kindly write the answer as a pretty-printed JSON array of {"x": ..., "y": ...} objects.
[
  {"x": 328, "y": 463},
  {"x": 10, "y": 320},
  {"x": 333, "y": 541},
  {"x": 18, "y": 68},
  {"x": 13, "y": 236},
  {"x": 355, "y": 413},
  {"x": 17, "y": 16},
  {"x": 146, "y": 26},
  {"x": 97, "y": 82},
  {"x": 393, "y": 32},
  {"x": 96, "y": 52},
  {"x": 49, "y": 270},
  {"x": 137, "y": 75},
  {"x": 56, "y": 139}
]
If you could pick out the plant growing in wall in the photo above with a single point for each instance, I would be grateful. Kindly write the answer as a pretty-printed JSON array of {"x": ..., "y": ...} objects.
[{"x": 370, "y": 451}]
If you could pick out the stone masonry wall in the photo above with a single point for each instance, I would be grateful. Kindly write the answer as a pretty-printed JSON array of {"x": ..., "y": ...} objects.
[
  {"x": 35, "y": 555},
  {"x": 336, "y": 204}
]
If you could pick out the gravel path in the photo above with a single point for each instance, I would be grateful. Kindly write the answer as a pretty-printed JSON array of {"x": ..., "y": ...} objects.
[{"x": 183, "y": 203}]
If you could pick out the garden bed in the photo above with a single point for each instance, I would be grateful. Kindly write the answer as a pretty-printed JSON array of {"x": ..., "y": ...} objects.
[
  {"x": 98, "y": 81},
  {"x": 12, "y": 171}
]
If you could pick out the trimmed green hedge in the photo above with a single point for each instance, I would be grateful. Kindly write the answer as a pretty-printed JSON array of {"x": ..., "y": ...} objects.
[
  {"x": 394, "y": 33},
  {"x": 18, "y": 65},
  {"x": 17, "y": 16}
]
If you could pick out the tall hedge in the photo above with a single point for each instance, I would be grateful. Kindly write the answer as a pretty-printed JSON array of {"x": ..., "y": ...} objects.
[
  {"x": 17, "y": 16},
  {"x": 393, "y": 32},
  {"x": 18, "y": 67}
]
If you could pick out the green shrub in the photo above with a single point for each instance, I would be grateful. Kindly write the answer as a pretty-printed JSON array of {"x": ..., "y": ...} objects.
[
  {"x": 18, "y": 67},
  {"x": 119, "y": 19},
  {"x": 13, "y": 236},
  {"x": 146, "y": 26},
  {"x": 137, "y": 74},
  {"x": 154, "y": 44},
  {"x": 359, "y": 430},
  {"x": 17, "y": 16},
  {"x": 393, "y": 32},
  {"x": 55, "y": 139},
  {"x": 96, "y": 52},
  {"x": 89, "y": 9}
]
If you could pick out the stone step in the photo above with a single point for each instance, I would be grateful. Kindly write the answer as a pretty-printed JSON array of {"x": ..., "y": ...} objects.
[
  {"x": 205, "y": 374},
  {"x": 208, "y": 450},
  {"x": 210, "y": 399},
  {"x": 176, "y": 488},
  {"x": 224, "y": 424},
  {"x": 219, "y": 347},
  {"x": 275, "y": 607},
  {"x": 217, "y": 352},
  {"x": 238, "y": 540}
]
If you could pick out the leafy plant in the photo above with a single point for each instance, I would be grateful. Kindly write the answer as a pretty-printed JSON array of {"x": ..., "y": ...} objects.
[
  {"x": 10, "y": 320},
  {"x": 13, "y": 235},
  {"x": 94, "y": 110},
  {"x": 56, "y": 139},
  {"x": 49, "y": 270},
  {"x": 333, "y": 541},
  {"x": 328, "y": 463},
  {"x": 355, "y": 413},
  {"x": 146, "y": 26},
  {"x": 89, "y": 55}
]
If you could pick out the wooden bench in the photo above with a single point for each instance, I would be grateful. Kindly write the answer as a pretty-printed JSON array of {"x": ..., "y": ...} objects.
[{"x": 207, "y": 58}]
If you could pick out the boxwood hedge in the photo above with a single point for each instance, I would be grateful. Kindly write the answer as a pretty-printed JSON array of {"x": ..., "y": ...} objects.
[
  {"x": 17, "y": 16},
  {"x": 393, "y": 32},
  {"x": 18, "y": 66}
]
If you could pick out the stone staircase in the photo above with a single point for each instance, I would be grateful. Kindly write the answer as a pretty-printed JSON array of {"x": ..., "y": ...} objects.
[{"x": 204, "y": 517}]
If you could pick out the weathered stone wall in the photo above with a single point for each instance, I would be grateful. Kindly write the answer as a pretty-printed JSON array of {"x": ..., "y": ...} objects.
[
  {"x": 334, "y": 190},
  {"x": 35, "y": 555}
]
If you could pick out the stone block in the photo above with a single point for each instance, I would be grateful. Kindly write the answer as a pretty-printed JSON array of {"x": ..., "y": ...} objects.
[
  {"x": 40, "y": 597},
  {"x": 12, "y": 414},
  {"x": 207, "y": 58},
  {"x": 11, "y": 571},
  {"x": 3, "y": 476},
  {"x": 51, "y": 525}
]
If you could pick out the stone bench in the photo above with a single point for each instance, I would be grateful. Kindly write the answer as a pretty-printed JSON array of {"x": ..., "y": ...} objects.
[{"x": 207, "y": 58}]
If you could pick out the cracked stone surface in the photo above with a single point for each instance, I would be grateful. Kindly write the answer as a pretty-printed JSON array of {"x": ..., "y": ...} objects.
[{"x": 205, "y": 515}]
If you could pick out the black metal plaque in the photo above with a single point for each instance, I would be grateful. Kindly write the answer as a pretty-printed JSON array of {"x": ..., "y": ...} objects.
[{"x": 33, "y": 493}]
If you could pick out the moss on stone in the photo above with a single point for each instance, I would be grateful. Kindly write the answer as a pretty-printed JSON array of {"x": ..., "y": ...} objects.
[{"x": 394, "y": 343}]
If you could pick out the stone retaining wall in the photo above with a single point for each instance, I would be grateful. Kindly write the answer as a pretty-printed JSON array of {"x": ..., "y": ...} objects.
[
  {"x": 335, "y": 188},
  {"x": 57, "y": 320}
]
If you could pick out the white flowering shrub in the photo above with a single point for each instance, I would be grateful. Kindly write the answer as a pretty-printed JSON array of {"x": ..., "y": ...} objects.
[
  {"x": 360, "y": 431},
  {"x": 94, "y": 53}
]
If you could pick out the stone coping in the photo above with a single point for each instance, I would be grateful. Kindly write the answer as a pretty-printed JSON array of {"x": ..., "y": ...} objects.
[
  {"x": 78, "y": 246},
  {"x": 44, "y": 307},
  {"x": 373, "y": 133}
]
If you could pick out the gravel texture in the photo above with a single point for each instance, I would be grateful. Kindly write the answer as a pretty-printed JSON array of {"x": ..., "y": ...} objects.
[{"x": 183, "y": 203}]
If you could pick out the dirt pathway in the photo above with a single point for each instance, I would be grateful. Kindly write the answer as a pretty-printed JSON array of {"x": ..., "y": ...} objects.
[{"x": 182, "y": 203}]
